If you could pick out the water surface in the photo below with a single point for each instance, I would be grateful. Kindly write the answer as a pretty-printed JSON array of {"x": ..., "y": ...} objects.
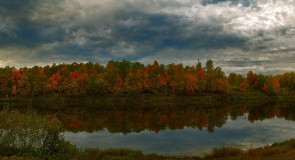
[{"x": 177, "y": 129}]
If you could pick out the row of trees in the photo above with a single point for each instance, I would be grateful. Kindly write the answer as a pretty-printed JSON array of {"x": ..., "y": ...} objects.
[{"x": 121, "y": 77}]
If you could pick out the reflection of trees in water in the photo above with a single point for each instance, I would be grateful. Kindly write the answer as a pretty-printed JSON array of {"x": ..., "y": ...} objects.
[
  {"x": 161, "y": 118},
  {"x": 126, "y": 119},
  {"x": 284, "y": 111}
]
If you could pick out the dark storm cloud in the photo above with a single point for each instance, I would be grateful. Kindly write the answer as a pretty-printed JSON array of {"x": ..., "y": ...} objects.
[
  {"x": 161, "y": 31},
  {"x": 155, "y": 30},
  {"x": 233, "y": 2},
  {"x": 19, "y": 29},
  {"x": 234, "y": 33},
  {"x": 31, "y": 35}
]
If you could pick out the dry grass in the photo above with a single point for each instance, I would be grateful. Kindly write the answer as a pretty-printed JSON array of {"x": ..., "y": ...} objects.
[{"x": 282, "y": 151}]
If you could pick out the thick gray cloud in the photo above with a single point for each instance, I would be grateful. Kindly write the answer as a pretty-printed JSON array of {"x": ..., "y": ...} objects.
[{"x": 239, "y": 35}]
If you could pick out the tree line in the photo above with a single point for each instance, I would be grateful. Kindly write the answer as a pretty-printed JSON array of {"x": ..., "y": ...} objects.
[{"x": 125, "y": 77}]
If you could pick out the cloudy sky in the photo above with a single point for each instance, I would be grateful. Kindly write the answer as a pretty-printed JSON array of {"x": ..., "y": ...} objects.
[{"x": 239, "y": 35}]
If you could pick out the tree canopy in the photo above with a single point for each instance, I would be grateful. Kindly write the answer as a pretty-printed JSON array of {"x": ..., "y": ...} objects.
[{"x": 125, "y": 77}]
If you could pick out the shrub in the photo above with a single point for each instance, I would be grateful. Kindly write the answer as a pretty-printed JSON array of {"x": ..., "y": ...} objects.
[{"x": 29, "y": 134}]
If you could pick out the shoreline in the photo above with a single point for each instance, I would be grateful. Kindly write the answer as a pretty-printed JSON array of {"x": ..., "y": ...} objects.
[
  {"x": 202, "y": 98},
  {"x": 277, "y": 151}
]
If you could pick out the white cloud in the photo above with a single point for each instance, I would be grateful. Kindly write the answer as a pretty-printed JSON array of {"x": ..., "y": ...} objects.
[{"x": 266, "y": 16}]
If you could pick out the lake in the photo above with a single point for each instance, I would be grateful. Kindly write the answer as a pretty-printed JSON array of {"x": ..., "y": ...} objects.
[{"x": 178, "y": 129}]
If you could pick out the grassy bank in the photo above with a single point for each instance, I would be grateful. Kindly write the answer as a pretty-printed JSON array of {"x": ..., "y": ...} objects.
[{"x": 277, "y": 151}]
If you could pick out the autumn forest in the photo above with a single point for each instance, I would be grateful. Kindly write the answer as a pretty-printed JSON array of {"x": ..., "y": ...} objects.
[{"x": 125, "y": 77}]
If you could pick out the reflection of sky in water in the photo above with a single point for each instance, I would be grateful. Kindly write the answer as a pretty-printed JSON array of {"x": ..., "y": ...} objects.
[{"x": 239, "y": 133}]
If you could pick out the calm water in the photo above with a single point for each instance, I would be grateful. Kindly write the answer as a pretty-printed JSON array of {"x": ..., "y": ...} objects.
[{"x": 173, "y": 130}]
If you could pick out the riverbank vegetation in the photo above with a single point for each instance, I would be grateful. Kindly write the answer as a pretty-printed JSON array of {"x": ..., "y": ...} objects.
[
  {"x": 277, "y": 151},
  {"x": 133, "y": 78}
]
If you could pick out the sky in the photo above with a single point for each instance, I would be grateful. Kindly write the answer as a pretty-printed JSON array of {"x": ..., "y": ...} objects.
[{"x": 238, "y": 35}]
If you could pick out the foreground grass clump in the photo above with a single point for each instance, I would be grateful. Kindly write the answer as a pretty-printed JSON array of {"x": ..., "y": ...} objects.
[{"x": 220, "y": 153}]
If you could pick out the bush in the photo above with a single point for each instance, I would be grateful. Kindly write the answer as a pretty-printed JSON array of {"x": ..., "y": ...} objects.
[{"x": 29, "y": 134}]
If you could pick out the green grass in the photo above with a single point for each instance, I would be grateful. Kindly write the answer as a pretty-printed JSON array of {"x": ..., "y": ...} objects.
[{"x": 277, "y": 151}]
